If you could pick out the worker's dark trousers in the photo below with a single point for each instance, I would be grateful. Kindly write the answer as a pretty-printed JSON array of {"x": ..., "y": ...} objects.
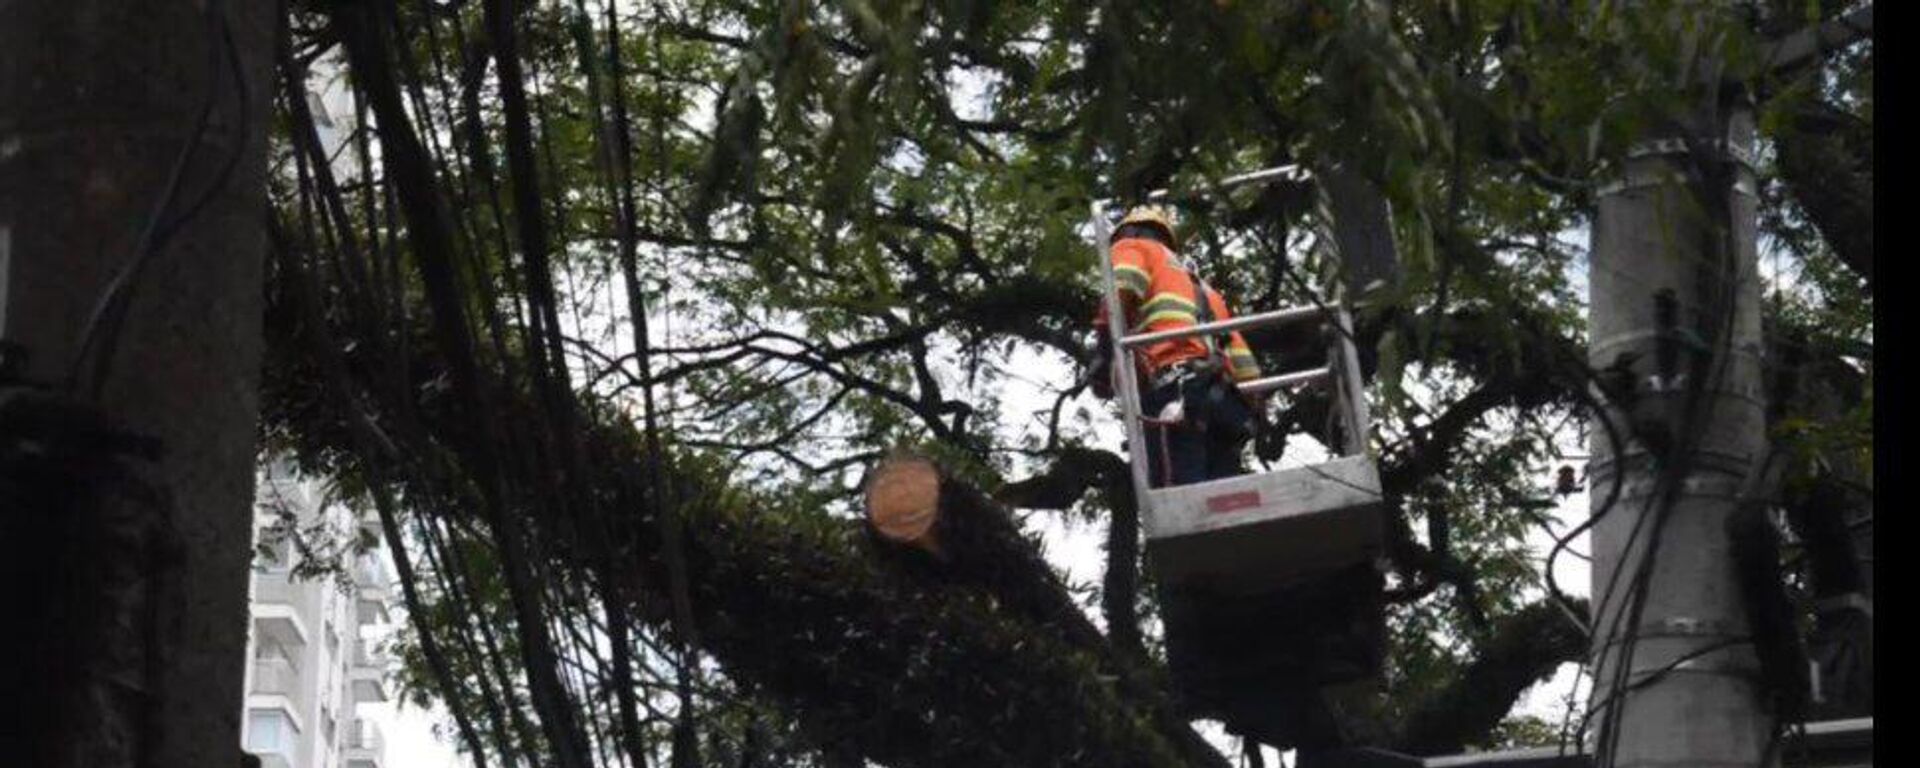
[{"x": 1206, "y": 444}]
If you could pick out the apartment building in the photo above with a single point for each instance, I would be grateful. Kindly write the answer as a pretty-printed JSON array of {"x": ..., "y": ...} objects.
[{"x": 311, "y": 660}]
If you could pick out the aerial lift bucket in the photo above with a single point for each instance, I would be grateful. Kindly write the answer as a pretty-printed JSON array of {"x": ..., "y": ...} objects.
[{"x": 1269, "y": 588}]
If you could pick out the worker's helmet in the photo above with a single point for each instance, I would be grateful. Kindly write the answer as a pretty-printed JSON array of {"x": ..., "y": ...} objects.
[{"x": 1154, "y": 216}]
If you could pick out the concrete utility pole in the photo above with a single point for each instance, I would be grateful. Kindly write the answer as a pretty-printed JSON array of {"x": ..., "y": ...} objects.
[
  {"x": 99, "y": 100},
  {"x": 1675, "y": 328}
]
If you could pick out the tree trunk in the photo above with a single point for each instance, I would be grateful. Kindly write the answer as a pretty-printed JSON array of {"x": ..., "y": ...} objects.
[
  {"x": 1363, "y": 233},
  {"x": 1521, "y": 650},
  {"x": 1826, "y": 160},
  {"x": 99, "y": 102}
]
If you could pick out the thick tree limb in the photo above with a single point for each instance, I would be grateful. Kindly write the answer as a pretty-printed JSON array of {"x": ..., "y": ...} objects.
[
  {"x": 1811, "y": 43},
  {"x": 901, "y": 670},
  {"x": 1522, "y": 649},
  {"x": 977, "y": 544},
  {"x": 1826, "y": 160},
  {"x": 1073, "y": 473}
]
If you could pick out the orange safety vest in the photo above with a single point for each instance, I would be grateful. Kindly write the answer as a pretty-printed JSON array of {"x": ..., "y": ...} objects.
[{"x": 1157, "y": 294}]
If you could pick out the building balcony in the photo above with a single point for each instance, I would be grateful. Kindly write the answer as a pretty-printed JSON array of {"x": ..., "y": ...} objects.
[
  {"x": 369, "y": 571},
  {"x": 367, "y": 677},
  {"x": 280, "y": 624},
  {"x": 370, "y": 603},
  {"x": 283, "y": 609},
  {"x": 273, "y": 733},
  {"x": 275, "y": 677},
  {"x": 369, "y": 525},
  {"x": 364, "y": 746},
  {"x": 284, "y": 491},
  {"x": 371, "y": 590},
  {"x": 369, "y": 683}
]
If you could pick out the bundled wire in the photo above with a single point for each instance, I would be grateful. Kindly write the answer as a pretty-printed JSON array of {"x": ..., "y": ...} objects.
[{"x": 1712, "y": 183}]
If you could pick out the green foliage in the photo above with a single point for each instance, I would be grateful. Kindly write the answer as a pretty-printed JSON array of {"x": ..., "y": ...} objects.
[
  {"x": 1524, "y": 731},
  {"x": 859, "y": 223}
]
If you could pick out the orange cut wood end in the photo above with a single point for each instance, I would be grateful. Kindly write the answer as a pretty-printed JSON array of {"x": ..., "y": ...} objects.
[{"x": 903, "y": 502}]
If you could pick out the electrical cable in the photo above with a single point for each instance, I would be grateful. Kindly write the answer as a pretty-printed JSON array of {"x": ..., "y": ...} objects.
[
  {"x": 1616, "y": 447},
  {"x": 1637, "y": 590},
  {"x": 1665, "y": 670},
  {"x": 1697, "y": 409}
]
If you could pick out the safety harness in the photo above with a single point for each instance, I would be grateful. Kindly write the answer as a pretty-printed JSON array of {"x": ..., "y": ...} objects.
[{"x": 1215, "y": 361}]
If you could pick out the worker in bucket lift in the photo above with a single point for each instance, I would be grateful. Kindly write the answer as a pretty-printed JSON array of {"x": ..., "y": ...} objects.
[{"x": 1196, "y": 418}]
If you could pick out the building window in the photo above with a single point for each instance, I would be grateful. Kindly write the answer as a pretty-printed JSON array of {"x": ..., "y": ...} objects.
[
  {"x": 270, "y": 651},
  {"x": 272, "y": 555},
  {"x": 270, "y": 731}
]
